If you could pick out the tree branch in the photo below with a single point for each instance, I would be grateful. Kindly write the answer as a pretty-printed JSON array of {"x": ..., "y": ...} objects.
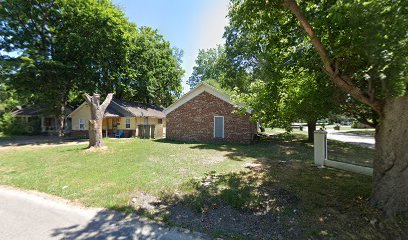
[
  {"x": 87, "y": 98},
  {"x": 341, "y": 81},
  {"x": 106, "y": 103}
]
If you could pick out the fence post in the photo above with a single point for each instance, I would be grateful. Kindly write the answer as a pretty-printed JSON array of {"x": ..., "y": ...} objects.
[{"x": 320, "y": 147}]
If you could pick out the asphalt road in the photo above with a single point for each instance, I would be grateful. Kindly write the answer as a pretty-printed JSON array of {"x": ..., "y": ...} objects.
[
  {"x": 28, "y": 215},
  {"x": 344, "y": 136}
]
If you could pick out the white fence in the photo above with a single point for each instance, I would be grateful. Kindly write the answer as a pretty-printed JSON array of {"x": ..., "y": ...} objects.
[{"x": 321, "y": 156}]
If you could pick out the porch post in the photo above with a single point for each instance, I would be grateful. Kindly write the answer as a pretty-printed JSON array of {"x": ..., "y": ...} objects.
[
  {"x": 107, "y": 127},
  {"x": 320, "y": 147},
  {"x": 42, "y": 124}
]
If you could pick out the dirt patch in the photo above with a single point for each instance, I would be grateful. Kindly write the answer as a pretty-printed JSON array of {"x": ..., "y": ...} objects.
[
  {"x": 235, "y": 205},
  {"x": 275, "y": 216},
  {"x": 146, "y": 203}
]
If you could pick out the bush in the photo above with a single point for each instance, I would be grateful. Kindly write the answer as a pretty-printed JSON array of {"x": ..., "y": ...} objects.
[
  {"x": 10, "y": 125},
  {"x": 337, "y": 127},
  {"x": 6, "y": 122}
]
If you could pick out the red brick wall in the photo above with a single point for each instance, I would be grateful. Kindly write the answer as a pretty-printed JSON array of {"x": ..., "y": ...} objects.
[{"x": 194, "y": 121}]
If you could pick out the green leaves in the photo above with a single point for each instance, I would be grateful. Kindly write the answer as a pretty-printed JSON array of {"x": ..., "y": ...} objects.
[
  {"x": 71, "y": 46},
  {"x": 367, "y": 41},
  {"x": 209, "y": 66}
]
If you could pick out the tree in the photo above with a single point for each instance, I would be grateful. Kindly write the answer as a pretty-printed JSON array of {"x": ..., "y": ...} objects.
[
  {"x": 153, "y": 70},
  {"x": 209, "y": 65},
  {"x": 95, "y": 123},
  {"x": 279, "y": 88},
  {"x": 53, "y": 53},
  {"x": 362, "y": 47},
  {"x": 56, "y": 50}
]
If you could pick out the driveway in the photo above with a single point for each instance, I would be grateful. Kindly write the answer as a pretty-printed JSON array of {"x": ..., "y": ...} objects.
[
  {"x": 31, "y": 215},
  {"x": 350, "y": 137},
  {"x": 37, "y": 141}
]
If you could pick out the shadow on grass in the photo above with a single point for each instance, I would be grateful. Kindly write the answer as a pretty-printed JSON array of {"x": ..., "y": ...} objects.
[
  {"x": 282, "y": 195},
  {"x": 282, "y": 147},
  {"x": 358, "y": 154},
  {"x": 112, "y": 224}
]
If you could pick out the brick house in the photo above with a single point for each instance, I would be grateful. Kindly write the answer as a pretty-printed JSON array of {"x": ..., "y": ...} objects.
[{"x": 205, "y": 114}]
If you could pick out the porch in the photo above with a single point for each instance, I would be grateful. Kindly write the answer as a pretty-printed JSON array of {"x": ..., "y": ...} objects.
[{"x": 141, "y": 127}]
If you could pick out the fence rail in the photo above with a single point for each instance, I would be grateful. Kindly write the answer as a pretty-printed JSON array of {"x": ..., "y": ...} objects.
[{"x": 321, "y": 157}]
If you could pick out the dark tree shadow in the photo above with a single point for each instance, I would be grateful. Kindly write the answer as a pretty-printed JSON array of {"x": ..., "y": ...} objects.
[
  {"x": 111, "y": 224},
  {"x": 282, "y": 195}
]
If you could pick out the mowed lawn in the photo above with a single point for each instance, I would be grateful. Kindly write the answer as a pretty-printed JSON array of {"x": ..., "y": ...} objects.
[
  {"x": 108, "y": 178},
  {"x": 266, "y": 190}
]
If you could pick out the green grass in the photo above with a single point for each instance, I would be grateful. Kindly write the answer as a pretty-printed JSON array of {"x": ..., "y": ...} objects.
[
  {"x": 311, "y": 203},
  {"x": 337, "y": 151},
  {"x": 350, "y": 153},
  {"x": 109, "y": 178}
]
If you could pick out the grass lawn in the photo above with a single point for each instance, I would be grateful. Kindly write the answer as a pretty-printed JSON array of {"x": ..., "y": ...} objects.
[
  {"x": 337, "y": 151},
  {"x": 269, "y": 189}
]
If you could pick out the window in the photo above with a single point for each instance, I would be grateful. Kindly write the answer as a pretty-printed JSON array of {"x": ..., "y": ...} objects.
[
  {"x": 218, "y": 126},
  {"x": 81, "y": 124},
  {"x": 127, "y": 122},
  {"x": 160, "y": 121}
]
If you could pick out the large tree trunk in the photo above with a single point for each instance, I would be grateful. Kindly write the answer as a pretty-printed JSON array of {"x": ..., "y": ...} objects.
[
  {"x": 95, "y": 124},
  {"x": 61, "y": 124},
  {"x": 61, "y": 120},
  {"x": 390, "y": 180},
  {"x": 95, "y": 133},
  {"x": 390, "y": 190},
  {"x": 311, "y": 128}
]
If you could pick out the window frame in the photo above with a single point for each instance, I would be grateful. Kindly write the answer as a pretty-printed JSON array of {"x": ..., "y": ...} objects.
[
  {"x": 81, "y": 123},
  {"x": 127, "y": 122}
]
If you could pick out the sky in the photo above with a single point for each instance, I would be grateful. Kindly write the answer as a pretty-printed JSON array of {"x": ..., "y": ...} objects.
[{"x": 189, "y": 25}]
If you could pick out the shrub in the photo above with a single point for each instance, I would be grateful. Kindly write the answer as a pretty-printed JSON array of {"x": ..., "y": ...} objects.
[{"x": 10, "y": 125}]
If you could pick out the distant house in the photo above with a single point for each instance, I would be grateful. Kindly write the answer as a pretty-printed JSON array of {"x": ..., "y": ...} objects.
[
  {"x": 33, "y": 120},
  {"x": 205, "y": 114},
  {"x": 126, "y": 117}
]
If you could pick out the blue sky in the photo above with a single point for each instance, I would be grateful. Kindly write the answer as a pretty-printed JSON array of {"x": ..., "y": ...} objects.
[{"x": 187, "y": 24}]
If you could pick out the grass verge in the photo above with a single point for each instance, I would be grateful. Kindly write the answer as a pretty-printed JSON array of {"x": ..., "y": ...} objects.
[{"x": 266, "y": 190}]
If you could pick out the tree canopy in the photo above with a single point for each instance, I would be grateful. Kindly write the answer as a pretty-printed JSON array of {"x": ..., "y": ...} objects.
[
  {"x": 209, "y": 65},
  {"x": 358, "y": 46},
  {"x": 52, "y": 51}
]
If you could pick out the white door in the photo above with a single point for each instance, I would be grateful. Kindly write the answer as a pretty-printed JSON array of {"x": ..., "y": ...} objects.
[{"x": 218, "y": 127}]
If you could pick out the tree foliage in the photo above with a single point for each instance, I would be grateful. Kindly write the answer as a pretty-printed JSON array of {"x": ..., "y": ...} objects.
[
  {"x": 281, "y": 87},
  {"x": 210, "y": 64},
  {"x": 52, "y": 51},
  {"x": 360, "y": 47}
]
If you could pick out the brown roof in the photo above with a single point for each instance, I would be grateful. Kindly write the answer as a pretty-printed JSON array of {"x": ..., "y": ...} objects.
[{"x": 140, "y": 109}]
